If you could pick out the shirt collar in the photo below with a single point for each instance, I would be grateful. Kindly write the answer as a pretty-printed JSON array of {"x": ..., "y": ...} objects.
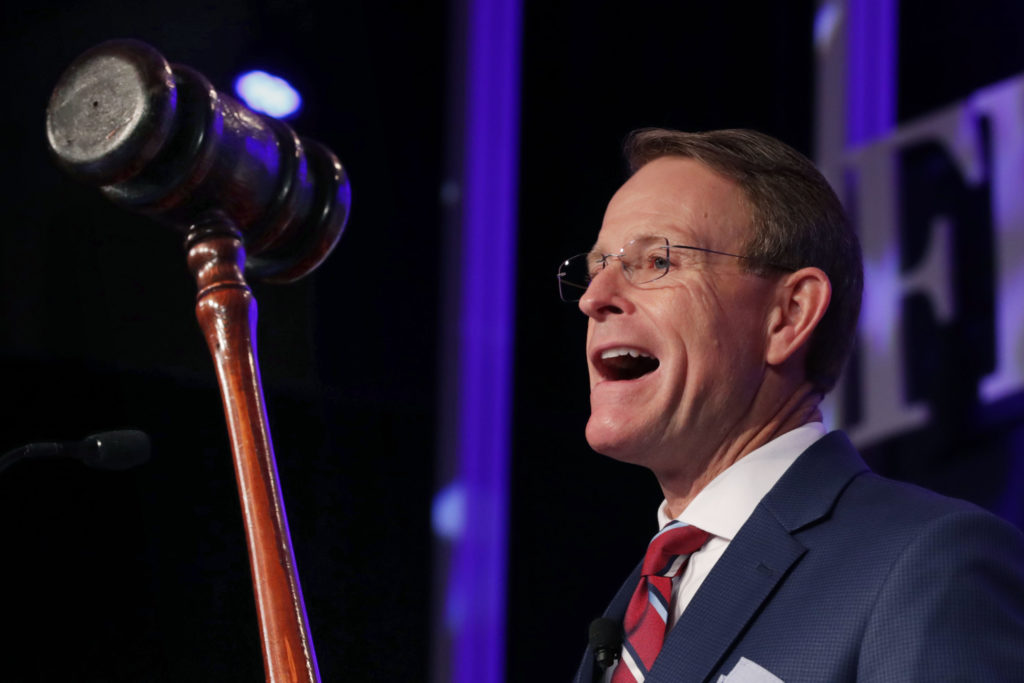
[{"x": 724, "y": 505}]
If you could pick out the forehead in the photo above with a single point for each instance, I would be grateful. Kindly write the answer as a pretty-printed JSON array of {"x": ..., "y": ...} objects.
[{"x": 681, "y": 199}]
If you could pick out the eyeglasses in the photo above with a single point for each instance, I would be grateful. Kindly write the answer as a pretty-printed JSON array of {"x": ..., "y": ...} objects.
[{"x": 644, "y": 260}]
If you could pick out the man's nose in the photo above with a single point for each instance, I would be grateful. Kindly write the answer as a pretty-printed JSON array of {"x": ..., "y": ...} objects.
[{"x": 608, "y": 293}]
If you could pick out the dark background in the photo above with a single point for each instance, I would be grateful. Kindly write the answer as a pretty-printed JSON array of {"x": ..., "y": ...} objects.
[{"x": 142, "y": 575}]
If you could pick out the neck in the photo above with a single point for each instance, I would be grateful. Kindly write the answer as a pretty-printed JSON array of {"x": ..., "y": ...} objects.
[{"x": 680, "y": 487}]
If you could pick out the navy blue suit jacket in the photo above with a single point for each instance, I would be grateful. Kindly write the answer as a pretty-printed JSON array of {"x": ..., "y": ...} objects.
[{"x": 842, "y": 575}]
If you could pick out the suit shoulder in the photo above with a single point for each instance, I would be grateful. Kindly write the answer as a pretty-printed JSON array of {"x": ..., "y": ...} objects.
[
  {"x": 901, "y": 515},
  {"x": 901, "y": 501},
  {"x": 951, "y": 606}
]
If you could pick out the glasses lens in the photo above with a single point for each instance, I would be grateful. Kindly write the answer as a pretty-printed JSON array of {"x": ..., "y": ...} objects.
[
  {"x": 574, "y": 275},
  {"x": 643, "y": 261},
  {"x": 648, "y": 260}
]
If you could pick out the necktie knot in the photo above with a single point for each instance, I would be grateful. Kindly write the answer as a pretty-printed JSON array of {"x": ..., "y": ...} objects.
[{"x": 669, "y": 549}]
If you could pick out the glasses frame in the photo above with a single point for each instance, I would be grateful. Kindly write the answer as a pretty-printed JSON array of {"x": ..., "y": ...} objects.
[{"x": 563, "y": 284}]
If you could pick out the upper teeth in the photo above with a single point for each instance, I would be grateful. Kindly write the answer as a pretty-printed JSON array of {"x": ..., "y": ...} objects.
[{"x": 623, "y": 351}]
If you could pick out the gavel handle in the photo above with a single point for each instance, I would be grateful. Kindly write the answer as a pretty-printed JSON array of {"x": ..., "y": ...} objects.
[{"x": 226, "y": 310}]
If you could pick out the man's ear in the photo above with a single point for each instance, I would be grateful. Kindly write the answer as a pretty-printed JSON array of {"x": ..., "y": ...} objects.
[{"x": 801, "y": 301}]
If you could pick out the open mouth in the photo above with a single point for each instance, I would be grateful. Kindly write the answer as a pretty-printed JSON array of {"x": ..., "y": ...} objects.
[{"x": 624, "y": 363}]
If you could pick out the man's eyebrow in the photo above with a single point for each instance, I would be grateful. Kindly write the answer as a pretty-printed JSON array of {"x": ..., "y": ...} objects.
[{"x": 643, "y": 236}]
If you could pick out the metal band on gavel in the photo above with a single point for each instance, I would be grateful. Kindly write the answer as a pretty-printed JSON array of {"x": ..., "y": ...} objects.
[{"x": 252, "y": 198}]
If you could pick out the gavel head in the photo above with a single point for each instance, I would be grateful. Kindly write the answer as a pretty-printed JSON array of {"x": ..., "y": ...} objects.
[{"x": 160, "y": 140}]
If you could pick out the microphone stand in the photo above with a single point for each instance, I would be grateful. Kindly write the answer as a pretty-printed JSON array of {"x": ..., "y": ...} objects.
[{"x": 119, "y": 450}]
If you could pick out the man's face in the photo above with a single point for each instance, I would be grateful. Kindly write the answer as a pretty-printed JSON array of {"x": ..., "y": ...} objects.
[{"x": 704, "y": 324}]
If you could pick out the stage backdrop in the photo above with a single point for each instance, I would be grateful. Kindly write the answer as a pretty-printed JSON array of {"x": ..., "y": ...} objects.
[{"x": 142, "y": 575}]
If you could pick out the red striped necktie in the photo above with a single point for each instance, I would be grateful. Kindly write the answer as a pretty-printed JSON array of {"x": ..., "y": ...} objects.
[{"x": 647, "y": 617}]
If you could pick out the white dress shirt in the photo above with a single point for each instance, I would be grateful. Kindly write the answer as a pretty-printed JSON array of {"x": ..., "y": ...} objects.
[
  {"x": 728, "y": 501},
  {"x": 724, "y": 505}
]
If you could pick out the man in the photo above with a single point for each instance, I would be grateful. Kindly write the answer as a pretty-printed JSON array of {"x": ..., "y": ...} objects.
[{"x": 722, "y": 295}]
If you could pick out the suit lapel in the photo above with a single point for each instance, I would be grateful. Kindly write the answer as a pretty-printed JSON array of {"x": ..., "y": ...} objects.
[
  {"x": 756, "y": 561},
  {"x": 753, "y": 564}
]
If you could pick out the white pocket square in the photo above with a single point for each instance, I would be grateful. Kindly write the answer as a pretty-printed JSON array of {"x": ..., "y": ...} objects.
[{"x": 747, "y": 671}]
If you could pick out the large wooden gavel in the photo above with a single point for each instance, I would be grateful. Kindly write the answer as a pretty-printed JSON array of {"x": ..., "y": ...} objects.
[{"x": 252, "y": 198}]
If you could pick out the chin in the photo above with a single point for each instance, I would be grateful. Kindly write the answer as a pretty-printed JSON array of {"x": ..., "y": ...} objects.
[{"x": 615, "y": 440}]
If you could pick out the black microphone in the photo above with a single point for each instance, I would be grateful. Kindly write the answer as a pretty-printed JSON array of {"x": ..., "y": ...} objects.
[
  {"x": 606, "y": 639},
  {"x": 118, "y": 450}
]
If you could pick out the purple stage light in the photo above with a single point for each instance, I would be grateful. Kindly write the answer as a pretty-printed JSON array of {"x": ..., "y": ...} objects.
[
  {"x": 470, "y": 512},
  {"x": 268, "y": 94},
  {"x": 871, "y": 77}
]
